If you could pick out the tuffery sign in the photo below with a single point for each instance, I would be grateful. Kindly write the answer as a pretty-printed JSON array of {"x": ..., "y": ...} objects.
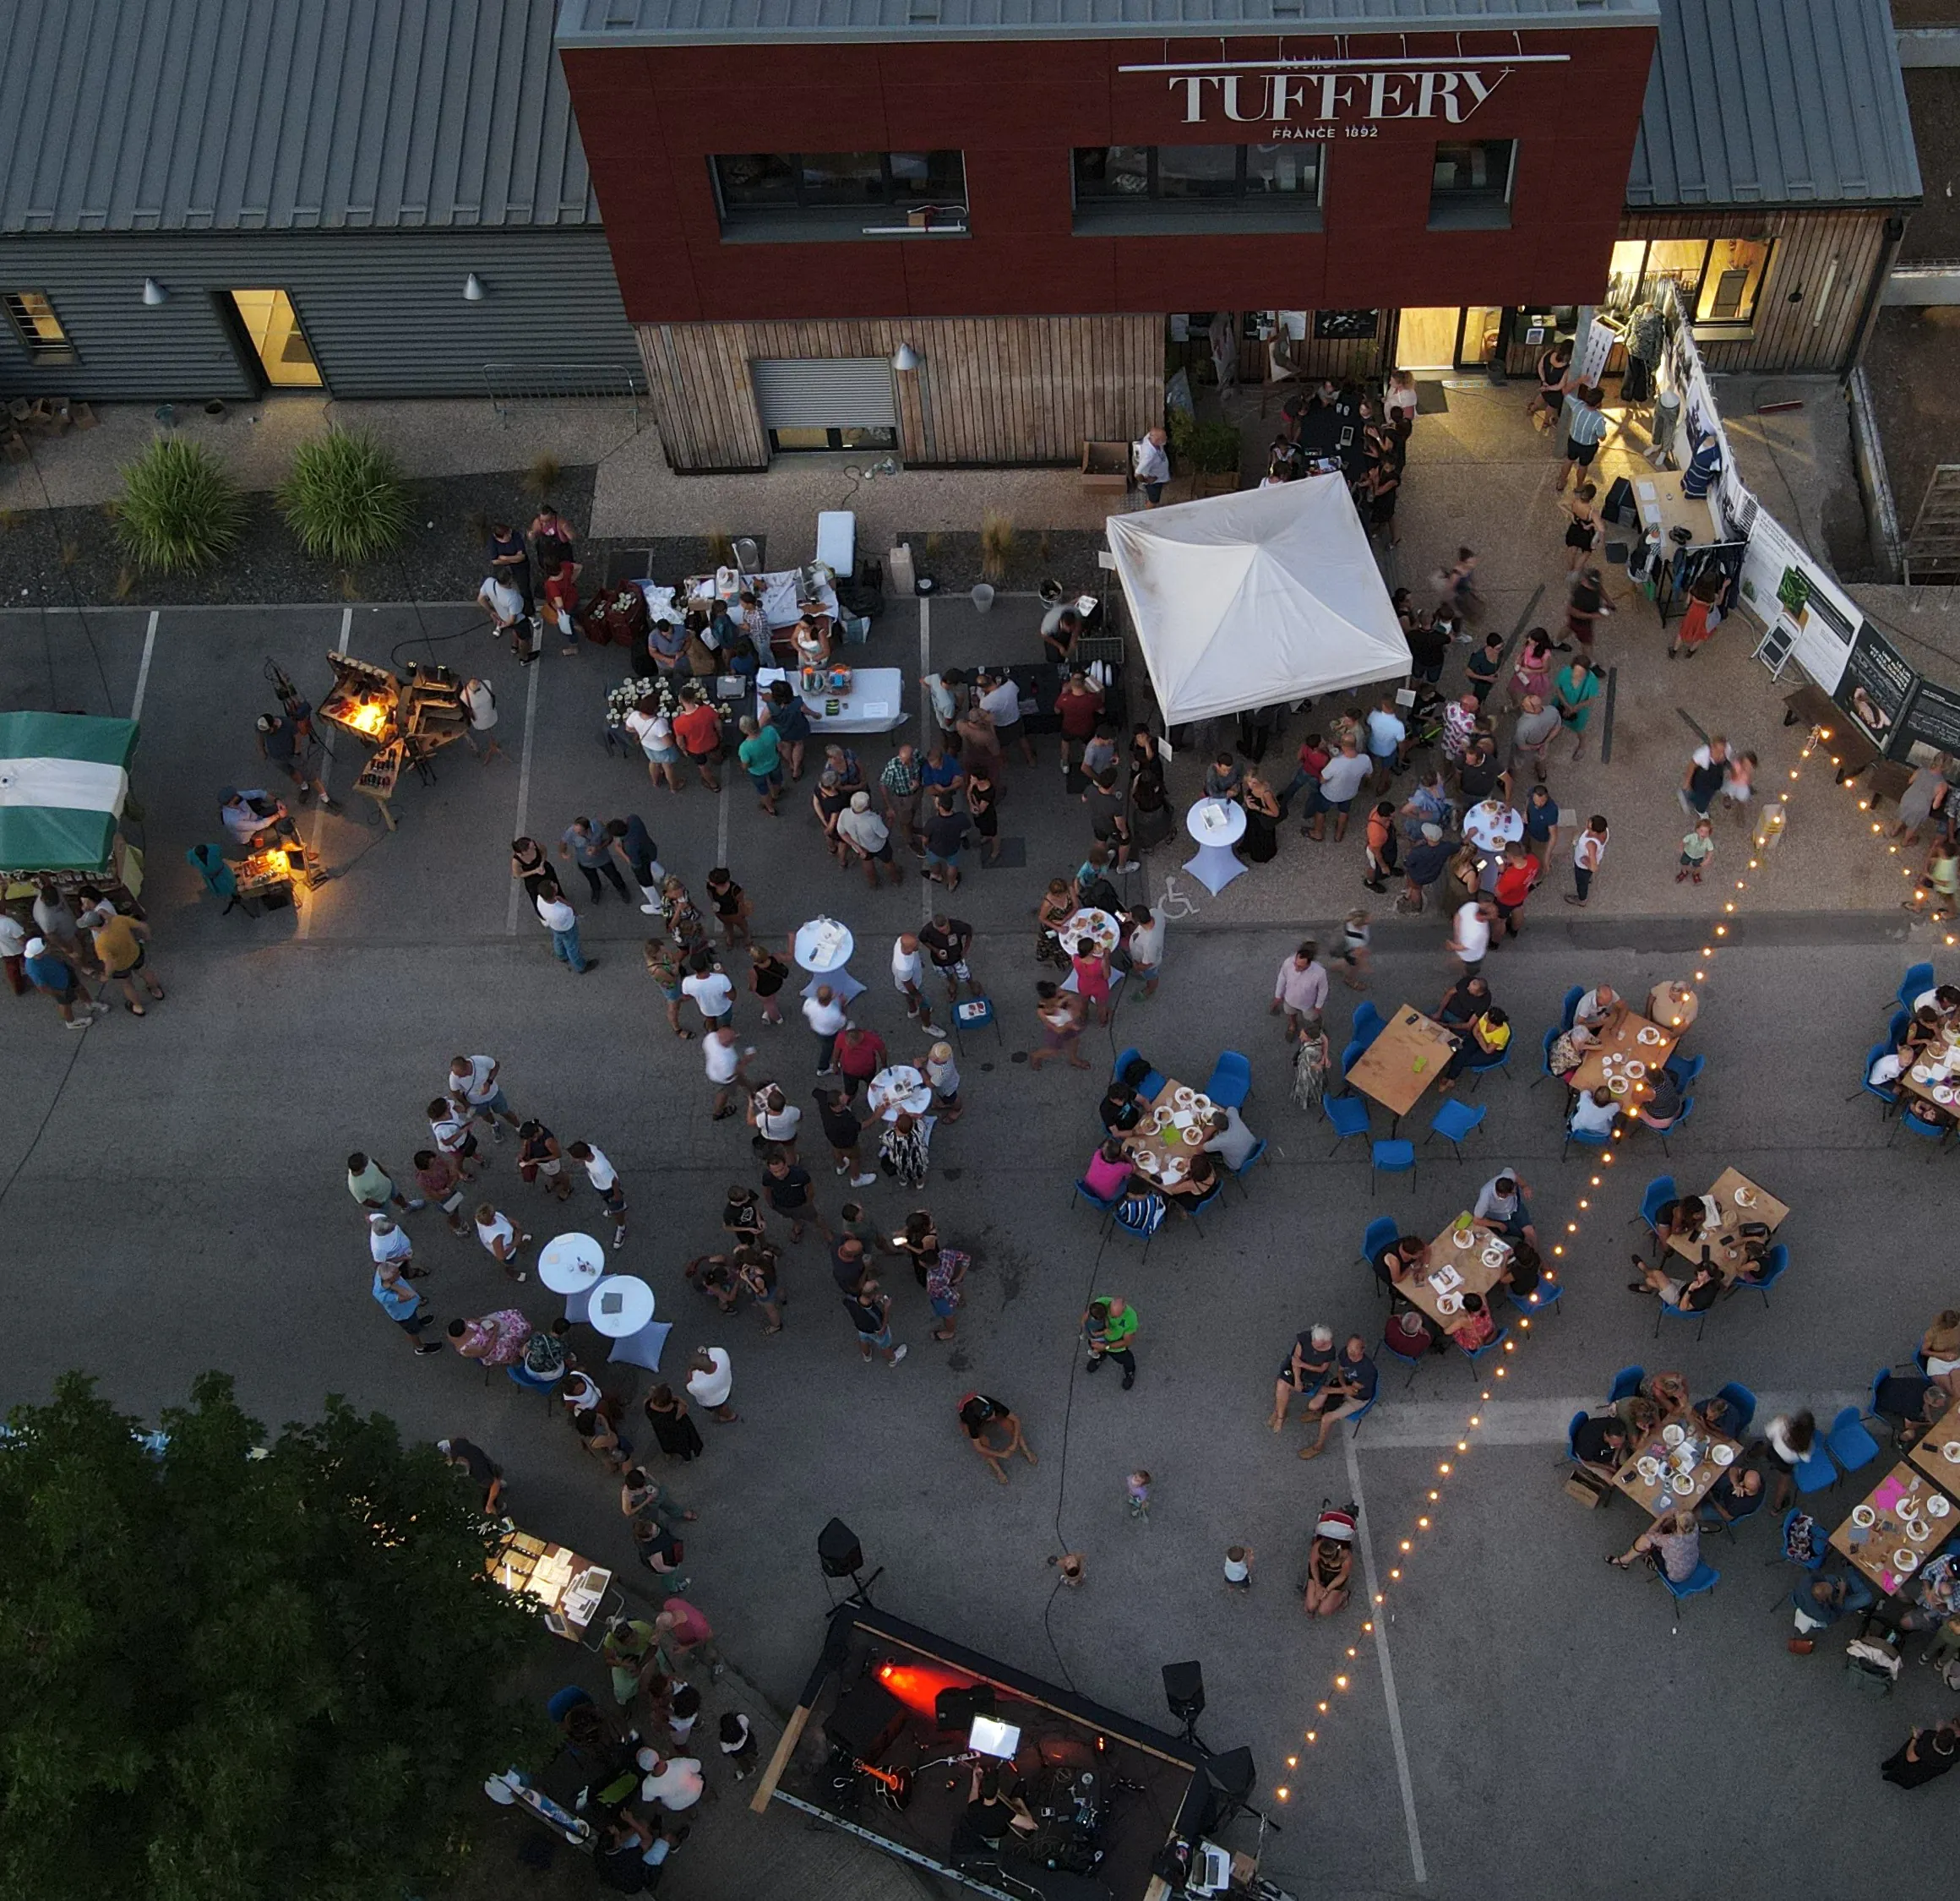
[{"x": 1307, "y": 99}]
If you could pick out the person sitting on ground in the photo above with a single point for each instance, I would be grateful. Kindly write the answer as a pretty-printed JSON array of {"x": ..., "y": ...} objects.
[
  {"x": 1695, "y": 1295},
  {"x": 1601, "y": 1445},
  {"x": 994, "y": 1431},
  {"x": 1673, "y": 1546},
  {"x": 1330, "y": 1562},
  {"x": 1593, "y": 1115},
  {"x": 1348, "y": 1388}
]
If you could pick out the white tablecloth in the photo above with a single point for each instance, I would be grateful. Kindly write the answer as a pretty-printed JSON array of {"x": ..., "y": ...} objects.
[
  {"x": 874, "y": 704},
  {"x": 568, "y": 1263},
  {"x": 634, "y": 1311}
]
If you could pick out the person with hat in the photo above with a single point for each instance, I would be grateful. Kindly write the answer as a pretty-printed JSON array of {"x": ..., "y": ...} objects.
[
  {"x": 1330, "y": 1561},
  {"x": 282, "y": 741},
  {"x": 52, "y": 971}
]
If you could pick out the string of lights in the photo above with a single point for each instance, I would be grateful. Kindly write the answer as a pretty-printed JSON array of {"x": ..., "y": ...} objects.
[{"x": 1402, "y": 1548}]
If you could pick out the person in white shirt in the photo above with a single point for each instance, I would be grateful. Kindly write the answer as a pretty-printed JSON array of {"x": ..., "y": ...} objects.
[
  {"x": 826, "y": 1018},
  {"x": 865, "y": 833},
  {"x": 563, "y": 922},
  {"x": 1470, "y": 938},
  {"x": 675, "y": 1782},
  {"x": 722, "y": 1056},
  {"x": 503, "y": 1240},
  {"x": 605, "y": 1178},
  {"x": 448, "y": 1121},
  {"x": 1002, "y": 699},
  {"x": 711, "y": 1380},
  {"x": 246, "y": 824},
  {"x": 711, "y": 991},
  {"x": 1599, "y": 1007},
  {"x": 1387, "y": 734},
  {"x": 480, "y": 703},
  {"x": 1340, "y": 778},
  {"x": 655, "y": 732},
  {"x": 386, "y": 1242},
  {"x": 775, "y": 1118},
  {"x": 1588, "y": 850},
  {"x": 1145, "y": 949},
  {"x": 1151, "y": 465},
  {"x": 499, "y": 599},
  {"x": 908, "y": 968},
  {"x": 1593, "y": 1115},
  {"x": 474, "y": 1079}
]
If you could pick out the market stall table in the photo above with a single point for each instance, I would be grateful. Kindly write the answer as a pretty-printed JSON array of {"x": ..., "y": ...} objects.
[
  {"x": 571, "y": 1589},
  {"x": 1676, "y": 1464},
  {"x": 1468, "y": 1257},
  {"x": 1217, "y": 825},
  {"x": 1939, "y": 1452},
  {"x": 621, "y": 1305},
  {"x": 1901, "y": 1523},
  {"x": 570, "y": 1263},
  {"x": 1405, "y": 1057},
  {"x": 1740, "y": 1199},
  {"x": 823, "y": 947},
  {"x": 900, "y": 1088},
  {"x": 1627, "y": 1053},
  {"x": 1162, "y": 1145},
  {"x": 874, "y": 704}
]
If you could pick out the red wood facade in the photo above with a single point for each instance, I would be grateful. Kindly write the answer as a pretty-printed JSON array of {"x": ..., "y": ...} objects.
[{"x": 651, "y": 118}]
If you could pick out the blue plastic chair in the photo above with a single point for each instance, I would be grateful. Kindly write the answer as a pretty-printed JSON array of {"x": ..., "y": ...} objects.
[
  {"x": 1453, "y": 1122},
  {"x": 1743, "y": 1400},
  {"x": 1348, "y": 1115},
  {"x": 1082, "y": 1192},
  {"x": 1412, "y": 1361},
  {"x": 1494, "y": 1344},
  {"x": 1369, "y": 1023},
  {"x": 1136, "y": 1233},
  {"x": 1746, "y": 1509},
  {"x": 1917, "y": 977},
  {"x": 1817, "y": 1473},
  {"x": 1625, "y": 1384},
  {"x": 1569, "y": 1009},
  {"x": 1659, "y": 1192},
  {"x": 1684, "y": 1070},
  {"x": 1665, "y": 1311},
  {"x": 1380, "y": 1233},
  {"x": 1937, "y": 1136},
  {"x": 1849, "y": 1444},
  {"x": 1887, "y": 1098},
  {"x": 1773, "y": 1264},
  {"x": 1584, "y": 1140},
  {"x": 528, "y": 1382},
  {"x": 1543, "y": 1299},
  {"x": 1815, "y": 1561},
  {"x": 565, "y": 1701},
  {"x": 1151, "y": 1083},
  {"x": 1397, "y": 1158},
  {"x": 1246, "y": 1166},
  {"x": 1231, "y": 1080},
  {"x": 1352, "y": 1055},
  {"x": 1354, "y": 1421},
  {"x": 1579, "y": 1419},
  {"x": 1901, "y": 1022},
  {"x": 1545, "y": 1071},
  {"x": 1477, "y": 1071},
  {"x": 1675, "y": 1127},
  {"x": 1706, "y": 1577}
]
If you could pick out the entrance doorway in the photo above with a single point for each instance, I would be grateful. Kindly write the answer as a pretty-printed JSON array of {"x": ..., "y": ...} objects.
[
  {"x": 273, "y": 330},
  {"x": 1426, "y": 340}
]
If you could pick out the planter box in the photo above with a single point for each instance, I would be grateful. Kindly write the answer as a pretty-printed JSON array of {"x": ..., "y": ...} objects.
[{"x": 1105, "y": 465}]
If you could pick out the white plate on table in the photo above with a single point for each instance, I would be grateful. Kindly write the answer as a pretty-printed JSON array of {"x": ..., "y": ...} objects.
[
  {"x": 1938, "y": 1506},
  {"x": 1922, "y": 1072},
  {"x": 1650, "y": 1035},
  {"x": 1636, "y": 1069},
  {"x": 1463, "y": 1237},
  {"x": 1494, "y": 1256},
  {"x": 1672, "y": 1435},
  {"x": 1918, "y": 1530},
  {"x": 1185, "y": 1097},
  {"x": 1649, "y": 1467},
  {"x": 1864, "y": 1516},
  {"x": 1745, "y": 1197},
  {"x": 1950, "y": 1452},
  {"x": 1722, "y": 1455},
  {"x": 1448, "y": 1303},
  {"x": 1617, "y": 1085},
  {"x": 1905, "y": 1560},
  {"x": 1942, "y": 1092}
]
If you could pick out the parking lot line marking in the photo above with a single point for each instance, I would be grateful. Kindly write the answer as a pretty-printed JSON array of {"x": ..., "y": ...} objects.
[
  {"x": 722, "y": 813},
  {"x": 143, "y": 669},
  {"x": 522, "y": 794},
  {"x": 1381, "y": 1623},
  {"x": 927, "y": 727},
  {"x": 304, "y": 929}
]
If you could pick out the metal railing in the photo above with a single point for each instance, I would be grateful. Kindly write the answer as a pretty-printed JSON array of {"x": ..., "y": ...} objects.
[{"x": 515, "y": 383}]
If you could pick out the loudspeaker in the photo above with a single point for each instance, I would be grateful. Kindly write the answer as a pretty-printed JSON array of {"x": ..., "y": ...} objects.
[
  {"x": 838, "y": 1550},
  {"x": 1183, "y": 1686},
  {"x": 1232, "y": 1775},
  {"x": 865, "y": 1721},
  {"x": 1619, "y": 505},
  {"x": 956, "y": 1709}
]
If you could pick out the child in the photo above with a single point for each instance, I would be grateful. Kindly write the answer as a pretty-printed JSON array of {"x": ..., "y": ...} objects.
[
  {"x": 1941, "y": 879},
  {"x": 683, "y": 1711},
  {"x": 1483, "y": 666},
  {"x": 1697, "y": 849},
  {"x": 1238, "y": 1568},
  {"x": 1139, "y": 1487},
  {"x": 1354, "y": 936},
  {"x": 737, "y": 1743},
  {"x": 1381, "y": 847},
  {"x": 1071, "y": 1565}
]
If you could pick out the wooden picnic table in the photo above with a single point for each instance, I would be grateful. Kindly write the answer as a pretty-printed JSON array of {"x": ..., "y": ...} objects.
[
  {"x": 1621, "y": 1044},
  {"x": 1938, "y": 1454},
  {"x": 1163, "y": 1154},
  {"x": 1943, "y": 1065},
  {"x": 1897, "y": 1503},
  {"x": 1670, "y": 1487},
  {"x": 1405, "y": 1057},
  {"x": 1724, "y": 1244},
  {"x": 1478, "y": 1266}
]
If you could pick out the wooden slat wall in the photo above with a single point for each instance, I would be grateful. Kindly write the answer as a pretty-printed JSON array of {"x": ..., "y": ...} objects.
[
  {"x": 1787, "y": 336},
  {"x": 993, "y": 391}
]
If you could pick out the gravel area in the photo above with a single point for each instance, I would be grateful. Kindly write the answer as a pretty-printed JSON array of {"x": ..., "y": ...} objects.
[{"x": 1066, "y": 555}]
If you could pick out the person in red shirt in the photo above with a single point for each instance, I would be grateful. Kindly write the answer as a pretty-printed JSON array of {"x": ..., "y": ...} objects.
[
  {"x": 561, "y": 595},
  {"x": 858, "y": 1055},
  {"x": 1078, "y": 706},
  {"x": 684, "y": 1634},
  {"x": 1514, "y": 879},
  {"x": 1314, "y": 757},
  {"x": 698, "y": 727}
]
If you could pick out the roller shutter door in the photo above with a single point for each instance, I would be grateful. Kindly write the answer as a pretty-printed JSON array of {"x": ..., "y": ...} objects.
[{"x": 824, "y": 392}]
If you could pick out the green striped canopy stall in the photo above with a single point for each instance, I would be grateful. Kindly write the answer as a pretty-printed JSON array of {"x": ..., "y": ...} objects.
[{"x": 64, "y": 777}]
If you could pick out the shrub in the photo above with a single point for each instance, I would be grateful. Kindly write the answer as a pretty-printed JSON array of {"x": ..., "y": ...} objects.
[
  {"x": 344, "y": 499},
  {"x": 996, "y": 544},
  {"x": 543, "y": 476},
  {"x": 180, "y": 508}
]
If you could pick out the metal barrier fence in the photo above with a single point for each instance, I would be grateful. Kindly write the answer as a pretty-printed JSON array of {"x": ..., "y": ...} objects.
[{"x": 516, "y": 383}]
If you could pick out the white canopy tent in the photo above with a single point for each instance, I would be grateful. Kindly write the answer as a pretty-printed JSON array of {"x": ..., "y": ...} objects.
[{"x": 1245, "y": 600}]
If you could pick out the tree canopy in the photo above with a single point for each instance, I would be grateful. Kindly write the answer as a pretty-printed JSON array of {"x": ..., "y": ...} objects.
[{"x": 232, "y": 1668}]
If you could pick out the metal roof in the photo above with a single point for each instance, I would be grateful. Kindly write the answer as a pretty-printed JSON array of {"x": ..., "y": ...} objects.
[
  {"x": 1768, "y": 102},
  {"x": 645, "y": 23},
  {"x": 256, "y": 114}
]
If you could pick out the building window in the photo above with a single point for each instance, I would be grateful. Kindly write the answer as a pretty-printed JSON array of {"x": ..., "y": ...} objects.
[
  {"x": 1196, "y": 188},
  {"x": 1720, "y": 280},
  {"x": 38, "y": 328},
  {"x": 789, "y": 197},
  {"x": 1470, "y": 187},
  {"x": 805, "y": 440}
]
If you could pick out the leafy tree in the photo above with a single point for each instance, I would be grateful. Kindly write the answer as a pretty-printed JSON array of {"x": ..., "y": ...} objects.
[{"x": 231, "y": 1671}]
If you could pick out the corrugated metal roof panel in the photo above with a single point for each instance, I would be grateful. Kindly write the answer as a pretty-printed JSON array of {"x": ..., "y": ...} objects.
[
  {"x": 1774, "y": 102},
  {"x": 600, "y": 22},
  {"x": 244, "y": 115}
]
